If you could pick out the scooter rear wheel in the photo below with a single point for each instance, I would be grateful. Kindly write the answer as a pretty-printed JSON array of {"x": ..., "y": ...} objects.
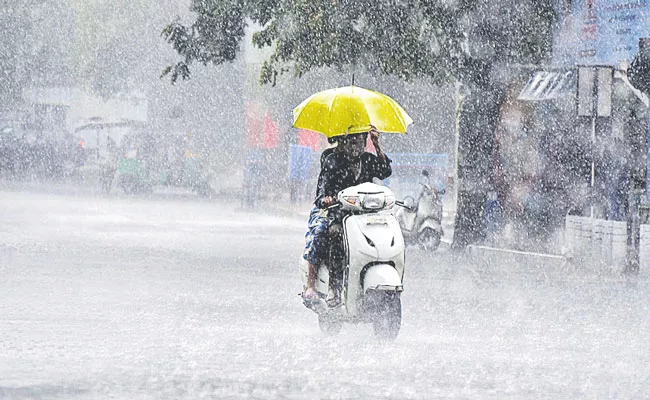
[{"x": 429, "y": 240}]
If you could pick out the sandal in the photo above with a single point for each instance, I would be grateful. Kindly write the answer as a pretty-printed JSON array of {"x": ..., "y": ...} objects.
[{"x": 334, "y": 301}]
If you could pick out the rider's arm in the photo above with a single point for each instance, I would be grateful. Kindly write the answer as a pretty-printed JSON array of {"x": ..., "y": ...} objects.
[
  {"x": 382, "y": 168},
  {"x": 380, "y": 153},
  {"x": 327, "y": 185}
]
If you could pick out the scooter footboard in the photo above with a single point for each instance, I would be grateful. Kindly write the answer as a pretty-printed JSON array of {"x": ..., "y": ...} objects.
[{"x": 382, "y": 277}]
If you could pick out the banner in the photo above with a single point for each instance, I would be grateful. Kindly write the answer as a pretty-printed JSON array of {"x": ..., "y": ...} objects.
[
  {"x": 609, "y": 30},
  {"x": 261, "y": 129},
  {"x": 313, "y": 140}
]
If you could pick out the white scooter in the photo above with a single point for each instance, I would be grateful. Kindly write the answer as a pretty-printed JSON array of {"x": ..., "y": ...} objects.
[
  {"x": 421, "y": 222},
  {"x": 371, "y": 266}
]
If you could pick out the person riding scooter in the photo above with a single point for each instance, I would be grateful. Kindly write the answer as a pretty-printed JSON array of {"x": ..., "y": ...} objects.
[{"x": 348, "y": 166}]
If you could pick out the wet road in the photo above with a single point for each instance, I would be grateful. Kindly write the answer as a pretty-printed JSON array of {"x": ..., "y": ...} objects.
[{"x": 111, "y": 297}]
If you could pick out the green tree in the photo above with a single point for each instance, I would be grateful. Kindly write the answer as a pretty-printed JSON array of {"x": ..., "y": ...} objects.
[
  {"x": 404, "y": 38},
  {"x": 474, "y": 42}
]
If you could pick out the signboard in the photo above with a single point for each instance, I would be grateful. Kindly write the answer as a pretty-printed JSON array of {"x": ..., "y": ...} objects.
[
  {"x": 586, "y": 83},
  {"x": 595, "y": 91},
  {"x": 548, "y": 85},
  {"x": 609, "y": 30}
]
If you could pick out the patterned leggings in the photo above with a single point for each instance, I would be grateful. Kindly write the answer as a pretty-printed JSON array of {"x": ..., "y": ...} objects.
[{"x": 316, "y": 236}]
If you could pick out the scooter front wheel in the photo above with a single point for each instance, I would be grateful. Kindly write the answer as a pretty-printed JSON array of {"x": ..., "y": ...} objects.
[{"x": 387, "y": 319}]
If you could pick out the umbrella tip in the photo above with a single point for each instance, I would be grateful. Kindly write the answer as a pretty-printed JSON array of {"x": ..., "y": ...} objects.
[{"x": 352, "y": 79}]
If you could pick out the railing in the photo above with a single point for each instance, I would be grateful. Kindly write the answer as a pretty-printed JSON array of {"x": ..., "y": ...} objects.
[{"x": 598, "y": 241}]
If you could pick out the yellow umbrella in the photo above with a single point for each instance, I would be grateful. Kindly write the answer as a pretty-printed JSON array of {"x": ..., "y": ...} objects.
[{"x": 348, "y": 110}]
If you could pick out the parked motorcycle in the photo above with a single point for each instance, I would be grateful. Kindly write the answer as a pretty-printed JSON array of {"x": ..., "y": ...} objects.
[
  {"x": 369, "y": 267},
  {"x": 421, "y": 221}
]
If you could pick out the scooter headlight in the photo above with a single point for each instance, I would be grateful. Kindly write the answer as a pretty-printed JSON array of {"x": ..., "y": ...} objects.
[{"x": 374, "y": 201}]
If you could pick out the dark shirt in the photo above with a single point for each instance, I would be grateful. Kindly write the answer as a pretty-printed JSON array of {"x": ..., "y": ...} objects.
[
  {"x": 323, "y": 157},
  {"x": 326, "y": 153},
  {"x": 336, "y": 174}
]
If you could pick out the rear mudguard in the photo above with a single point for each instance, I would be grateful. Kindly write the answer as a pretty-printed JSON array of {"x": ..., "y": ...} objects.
[{"x": 382, "y": 277}]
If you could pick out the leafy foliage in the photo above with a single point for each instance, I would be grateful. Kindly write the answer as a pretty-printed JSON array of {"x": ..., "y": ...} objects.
[
  {"x": 639, "y": 71},
  {"x": 405, "y": 38},
  {"x": 213, "y": 38}
]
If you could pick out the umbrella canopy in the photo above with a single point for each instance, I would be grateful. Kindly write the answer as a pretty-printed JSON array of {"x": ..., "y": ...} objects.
[{"x": 348, "y": 110}]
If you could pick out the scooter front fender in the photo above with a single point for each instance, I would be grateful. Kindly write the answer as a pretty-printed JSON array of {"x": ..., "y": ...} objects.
[{"x": 382, "y": 277}]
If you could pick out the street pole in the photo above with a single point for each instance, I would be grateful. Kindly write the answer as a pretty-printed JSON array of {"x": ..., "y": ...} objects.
[
  {"x": 459, "y": 101},
  {"x": 593, "y": 165},
  {"x": 632, "y": 259}
]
